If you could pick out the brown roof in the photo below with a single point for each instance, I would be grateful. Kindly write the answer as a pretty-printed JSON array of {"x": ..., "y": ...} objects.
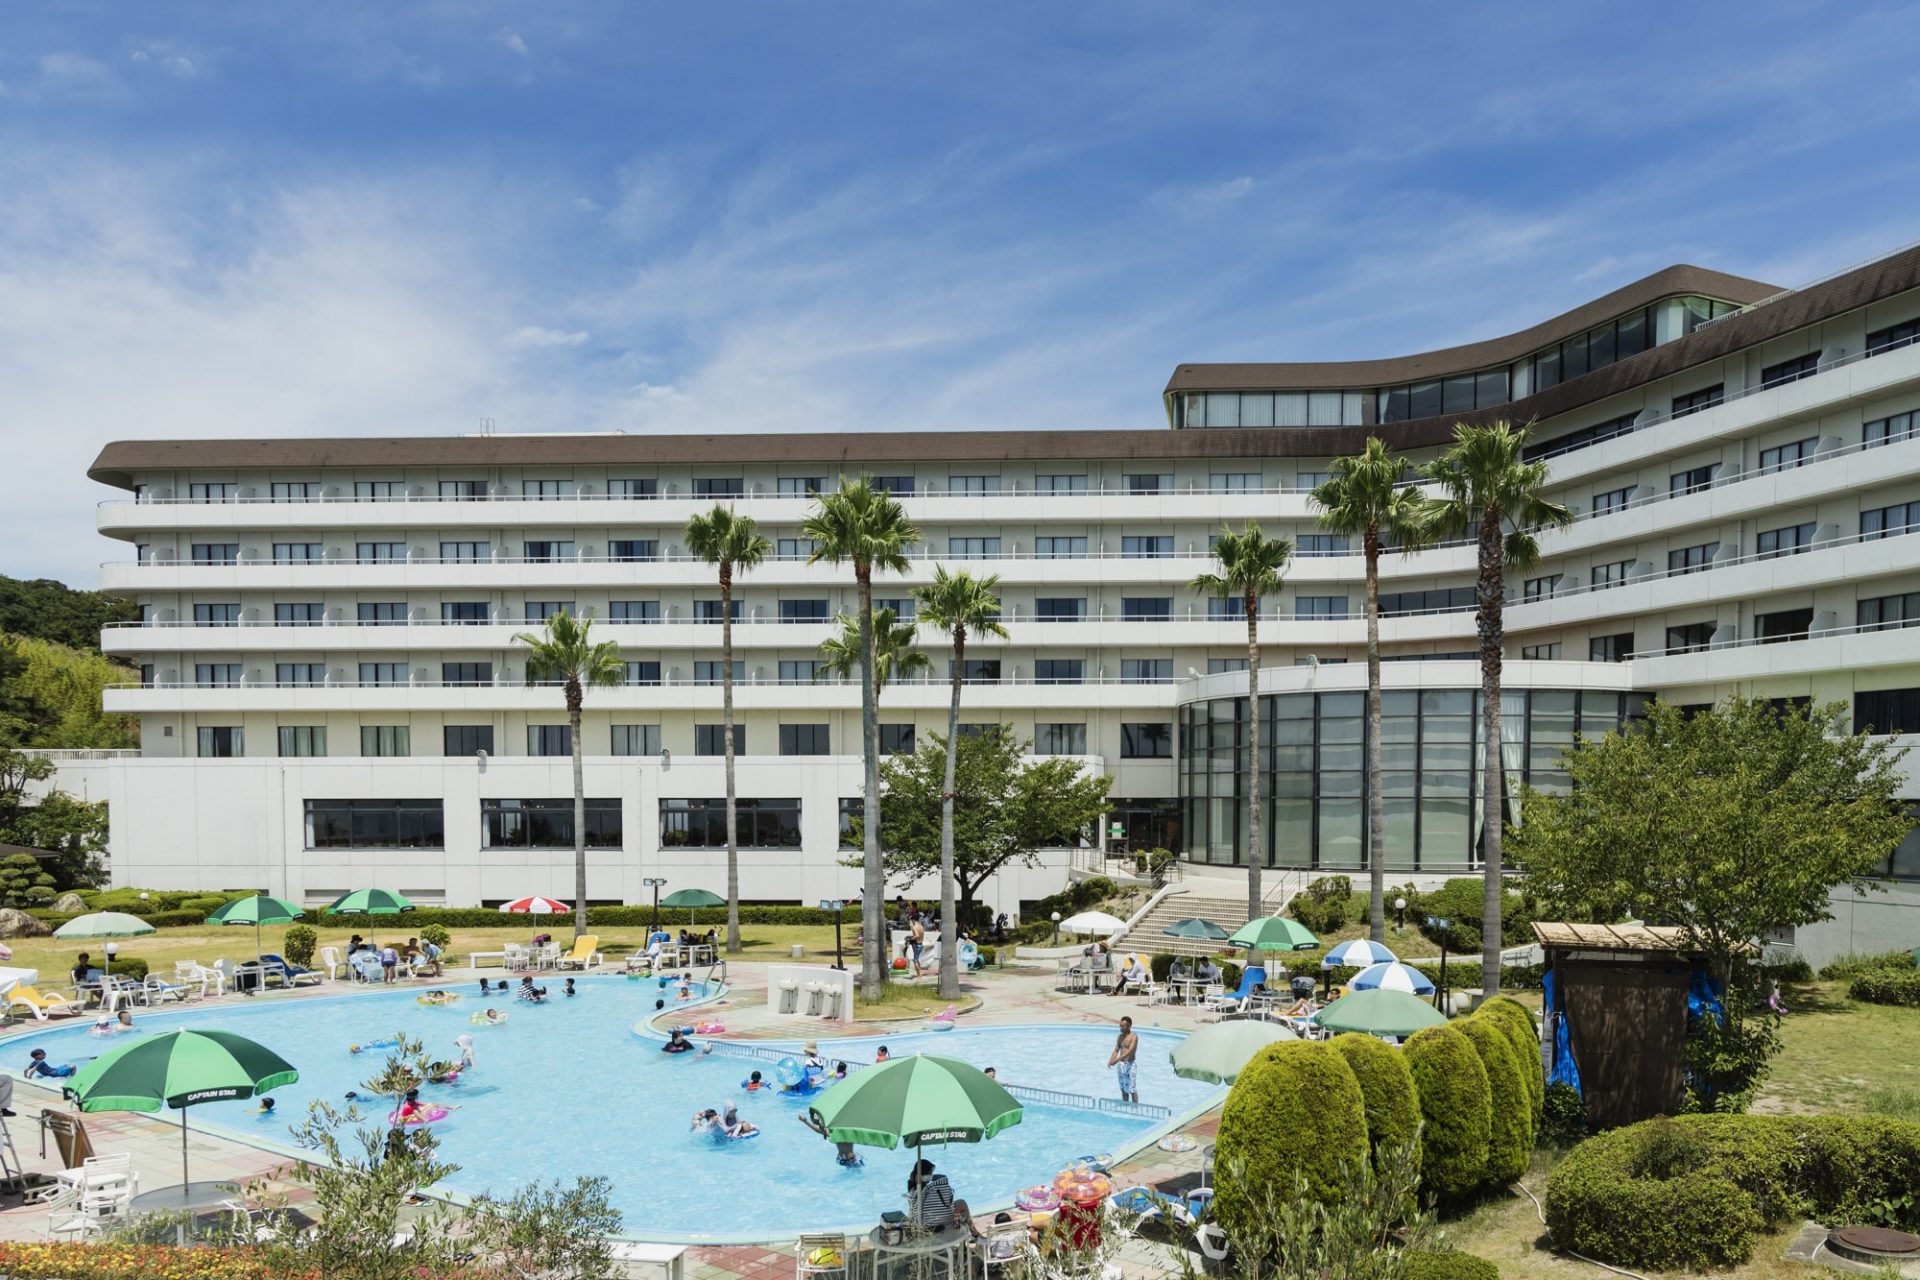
[
  {"x": 1353, "y": 375},
  {"x": 1610, "y": 937}
]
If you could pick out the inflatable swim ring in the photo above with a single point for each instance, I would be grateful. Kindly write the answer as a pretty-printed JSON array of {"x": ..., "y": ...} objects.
[
  {"x": 385, "y": 1042},
  {"x": 1095, "y": 1164},
  {"x": 1177, "y": 1142},
  {"x": 940, "y": 1024},
  {"x": 426, "y": 1115},
  {"x": 710, "y": 1028},
  {"x": 1086, "y": 1190},
  {"x": 1038, "y": 1199},
  {"x": 437, "y": 997},
  {"x": 480, "y": 1017}
]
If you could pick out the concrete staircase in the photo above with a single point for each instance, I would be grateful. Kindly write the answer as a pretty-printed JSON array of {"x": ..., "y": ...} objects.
[{"x": 1148, "y": 936}]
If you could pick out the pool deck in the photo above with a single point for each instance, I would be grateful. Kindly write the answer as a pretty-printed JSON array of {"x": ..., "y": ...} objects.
[{"x": 1010, "y": 996}]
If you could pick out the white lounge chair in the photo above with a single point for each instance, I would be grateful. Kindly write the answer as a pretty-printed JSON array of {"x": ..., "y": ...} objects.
[{"x": 330, "y": 961}]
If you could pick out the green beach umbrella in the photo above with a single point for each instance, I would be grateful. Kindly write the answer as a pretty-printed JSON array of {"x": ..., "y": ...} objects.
[
  {"x": 1380, "y": 1012},
  {"x": 1194, "y": 927},
  {"x": 179, "y": 1069},
  {"x": 261, "y": 908},
  {"x": 1218, "y": 1053},
  {"x": 915, "y": 1101},
  {"x": 104, "y": 924},
  {"x": 1274, "y": 933},
  {"x": 369, "y": 902},
  {"x": 692, "y": 900}
]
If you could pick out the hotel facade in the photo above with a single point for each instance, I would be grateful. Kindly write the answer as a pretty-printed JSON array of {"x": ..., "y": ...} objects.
[{"x": 330, "y": 694}]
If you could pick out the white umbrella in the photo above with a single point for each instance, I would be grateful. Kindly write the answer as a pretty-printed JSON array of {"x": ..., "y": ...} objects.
[
  {"x": 1359, "y": 953},
  {"x": 1392, "y": 977},
  {"x": 1093, "y": 922}
]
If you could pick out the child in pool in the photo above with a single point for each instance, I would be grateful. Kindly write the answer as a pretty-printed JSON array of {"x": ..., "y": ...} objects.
[
  {"x": 569, "y": 991},
  {"x": 686, "y": 993},
  {"x": 409, "y": 1106},
  {"x": 753, "y": 1083},
  {"x": 733, "y": 1126},
  {"x": 265, "y": 1108},
  {"x": 707, "y": 1121},
  {"x": 530, "y": 993}
]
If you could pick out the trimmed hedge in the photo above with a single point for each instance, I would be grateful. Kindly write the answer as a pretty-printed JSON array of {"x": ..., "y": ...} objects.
[
  {"x": 1516, "y": 1020},
  {"x": 1456, "y": 1108},
  {"x": 1296, "y": 1109},
  {"x": 1853, "y": 963},
  {"x": 1393, "y": 1109},
  {"x": 1512, "y": 1132},
  {"x": 1448, "y": 1264},
  {"x": 1696, "y": 1191},
  {"x": 1887, "y": 986}
]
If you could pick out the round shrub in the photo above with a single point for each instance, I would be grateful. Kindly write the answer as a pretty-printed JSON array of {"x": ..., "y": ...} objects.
[
  {"x": 1448, "y": 1264},
  {"x": 1456, "y": 1110},
  {"x": 438, "y": 934},
  {"x": 1517, "y": 1021},
  {"x": 1393, "y": 1109},
  {"x": 298, "y": 945},
  {"x": 1296, "y": 1109},
  {"x": 1512, "y": 1133}
]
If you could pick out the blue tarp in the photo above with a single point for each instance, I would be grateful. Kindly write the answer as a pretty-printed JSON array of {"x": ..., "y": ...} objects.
[
  {"x": 1703, "y": 996},
  {"x": 1565, "y": 1070}
]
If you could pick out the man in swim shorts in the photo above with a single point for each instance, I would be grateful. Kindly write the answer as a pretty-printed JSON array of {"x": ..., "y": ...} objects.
[
  {"x": 843, "y": 1151},
  {"x": 1125, "y": 1048},
  {"x": 37, "y": 1065}
]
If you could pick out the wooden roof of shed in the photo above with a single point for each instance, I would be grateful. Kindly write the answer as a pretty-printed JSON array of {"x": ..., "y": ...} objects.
[{"x": 1610, "y": 937}]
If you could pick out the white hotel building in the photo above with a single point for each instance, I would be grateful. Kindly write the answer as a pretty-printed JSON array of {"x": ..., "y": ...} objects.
[{"x": 330, "y": 695}]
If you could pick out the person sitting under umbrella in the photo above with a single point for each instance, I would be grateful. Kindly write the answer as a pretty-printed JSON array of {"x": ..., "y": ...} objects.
[
  {"x": 1132, "y": 976},
  {"x": 1209, "y": 971},
  {"x": 930, "y": 1202}
]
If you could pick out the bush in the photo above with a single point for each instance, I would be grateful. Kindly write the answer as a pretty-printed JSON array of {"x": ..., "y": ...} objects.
[
  {"x": 1887, "y": 986},
  {"x": 134, "y": 967},
  {"x": 298, "y": 945},
  {"x": 1448, "y": 1264},
  {"x": 1322, "y": 905},
  {"x": 1462, "y": 903},
  {"x": 1393, "y": 1109},
  {"x": 1230, "y": 974},
  {"x": 1080, "y": 896},
  {"x": 70, "y": 1261},
  {"x": 1296, "y": 1109},
  {"x": 1456, "y": 1110},
  {"x": 1853, "y": 963},
  {"x": 1516, "y": 1021},
  {"x": 438, "y": 934},
  {"x": 1696, "y": 1191},
  {"x": 1512, "y": 1132},
  {"x": 1563, "y": 1120},
  {"x": 1792, "y": 969}
]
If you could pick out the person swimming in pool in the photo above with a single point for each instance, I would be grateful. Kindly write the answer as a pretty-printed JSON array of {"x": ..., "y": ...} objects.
[
  {"x": 677, "y": 1042},
  {"x": 733, "y": 1126},
  {"x": 880, "y": 1055},
  {"x": 569, "y": 989},
  {"x": 685, "y": 993},
  {"x": 464, "y": 1043},
  {"x": 409, "y": 1106},
  {"x": 706, "y": 1121},
  {"x": 37, "y": 1065},
  {"x": 265, "y": 1108},
  {"x": 843, "y": 1151},
  {"x": 530, "y": 993},
  {"x": 753, "y": 1083}
]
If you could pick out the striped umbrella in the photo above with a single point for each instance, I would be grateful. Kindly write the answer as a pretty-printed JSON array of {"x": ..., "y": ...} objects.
[
  {"x": 1392, "y": 976},
  {"x": 1359, "y": 953},
  {"x": 535, "y": 905}
]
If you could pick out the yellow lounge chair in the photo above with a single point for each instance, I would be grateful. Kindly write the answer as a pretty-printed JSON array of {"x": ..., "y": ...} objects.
[
  {"x": 42, "y": 1005},
  {"x": 585, "y": 953}
]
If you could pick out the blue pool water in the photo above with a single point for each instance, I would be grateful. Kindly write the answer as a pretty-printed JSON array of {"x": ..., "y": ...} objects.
[{"x": 567, "y": 1088}]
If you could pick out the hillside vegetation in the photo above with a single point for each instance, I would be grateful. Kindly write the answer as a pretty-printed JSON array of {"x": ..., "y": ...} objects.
[{"x": 51, "y": 667}]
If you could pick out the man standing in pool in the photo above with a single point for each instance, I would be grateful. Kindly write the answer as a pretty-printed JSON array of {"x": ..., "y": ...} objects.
[{"x": 1122, "y": 1059}]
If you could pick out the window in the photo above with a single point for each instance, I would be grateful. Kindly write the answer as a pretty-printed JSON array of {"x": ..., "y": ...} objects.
[
  {"x": 1884, "y": 711},
  {"x": 1058, "y": 548},
  {"x": 710, "y": 740},
  {"x": 711, "y": 671},
  {"x": 1544, "y": 587},
  {"x": 1692, "y": 559},
  {"x": 636, "y": 740},
  {"x": 1150, "y": 740},
  {"x": 1060, "y": 484},
  {"x": 1692, "y": 480},
  {"x": 1139, "y": 484},
  {"x": 549, "y": 740},
  {"x": 852, "y": 809},
  {"x": 466, "y": 673},
  {"x": 802, "y": 486},
  {"x": 224, "y": 491},
  {"x": 1461, "y": 393},
  {"x": 218, "y": 675},
  {"x": 383, "y": 673},
  {"x": 1060, "y": 609},
  {"x": 303, "y": 740},
  {"x": 1433, "y": 600},
  {"x": 1611, "y": 575},
  {"x": 633, "y": 488},
  {"x": 1322, "y": 544},
  {"x": 1319, "y": 607},
  {"x": 977, "y": 670},
  {"x": 1059, "y": 670},
  {"x": 1060, "y": 739},
  {"x": 463, "y": 490},
  {"x": 1690, "y": 638},
  {"x": 380, "y": 552},
  {"x": 1695, "y": 401},
  {"x": 896, "y": 739},
  {"x": 546, "y": 552},
  {"x": 973, "y": 484},
  {"x": 1785, "y": 457},
  {"x": 1584, "y": 438},
  {"x": 1899, "y": 335},
  {"x": 546, "y": 490},
  {"x": 547, "y": 824},
  {"x": 216, "y": 553},
  {"x": 222, "y": 742},
  {"x": 1884, "y": 613},
  {"x": 1790, "y": 541},
  {"x": 718, "y": 488},
  {"x": 298, "y": 552},
  {"x": 902, "y": 607},
  {"x": 1779, "y": 375},
  {"x": 794, "y": 548},
  {"x": 463, "y": 613},
  {"x": 804, "y": 611},
  {"x": 1612, "y": 500},
  {"x": 1785, "y": 624},
  {"x": 299, "y": 675},
  {"x": 799, "y": 670},
  {"x": 1226, "y": 609},
  {"x": 1312, "y": 479},
  {"x": 633, "y": 611},
  {"x": 299, "y": 615},
  {"x": 1152, "y": 546},
  {"x": 216, "y": 615},
  {"x": 805, "y": 740},
  {"x": 386, "y": 740},
  {"x": 1541, "y": 652},
  {"x": 466, "y": 552},
  {"x": 1888, "y": 430},
  {"x": 1234, "y": 482},
  {"x": 466, "y": 739},
  {"x": 376, "y": 824},
  {"x": 1222, "y": 666},
  {"x": 1610, "y": 648},
  {"x": 1146, "y": 608},
  {"x": 541, "y": 610},
  {"x": 897, "y": 486},
  {"x": 1889, "y": 522},
  {"x": 384, "y": 613},
  {"x": 633, "y": 549},
  {"x": 709, "y": 610},
  {"x": 380, "y": 490},
  {"x": 642, "y": 672},
  {"x": 972, "y": 548},
  {"x": 702, "y": 824},
  {"x": 1146, "y": 670}
]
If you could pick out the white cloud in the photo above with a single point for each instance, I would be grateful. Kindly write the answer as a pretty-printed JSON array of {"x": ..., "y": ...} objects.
[
  {"x": 536, "y": 336},
  {"x": 66, "y": 74},
  {"x": 510, "y": 40},
  {"x": 167, "y": 59}
]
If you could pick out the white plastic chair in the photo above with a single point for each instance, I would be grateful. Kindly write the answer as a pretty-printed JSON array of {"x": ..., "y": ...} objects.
[
  {"x": 100, "y": 1200},
  {"x": 330, "y": 960}
]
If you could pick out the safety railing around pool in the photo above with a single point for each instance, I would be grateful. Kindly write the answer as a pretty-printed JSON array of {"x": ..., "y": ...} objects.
[{"x": 1026, "y": 1093}]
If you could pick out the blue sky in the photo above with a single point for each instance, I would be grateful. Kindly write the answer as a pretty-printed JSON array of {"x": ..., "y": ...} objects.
[{"x": 394, "y": 219}]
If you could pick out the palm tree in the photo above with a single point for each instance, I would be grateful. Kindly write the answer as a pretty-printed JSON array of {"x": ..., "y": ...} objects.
[
  {"x": 568, "y": 655},
  {"x": 893, "y": 651},
  {"x": 864, "y": 526},
  {"x": 1251, "y": 566},
  {"x": 734, "y": 544},
  {"x": 1490, "y": 493},
  {"x": 1368, "y": 494},
  {"x": 955, "y": 603}
]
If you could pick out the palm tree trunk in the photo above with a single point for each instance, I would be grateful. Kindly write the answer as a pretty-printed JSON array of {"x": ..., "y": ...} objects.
[
  {"x": 949, "y": 927},
  {"x": 574, "y": 699},
  {"x": 1256, "y": 848},
  {"x": 873, "y": 893},
  {"x": 1376, "y": 805},
  {"x": 1491, "y": 623},
  {"x": 726, "y": 736}
]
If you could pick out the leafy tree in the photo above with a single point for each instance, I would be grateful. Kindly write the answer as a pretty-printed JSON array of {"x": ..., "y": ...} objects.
[
  {"x": 1006, "y": 806},
  {"x": 863, "y": 526},
  {"x": 24, "y": 883},
  {"x": 1251, "y": 565},
  {"x": 957, "y": 604},
  {"x": 893, "y": 651},
  {"x": 733, "y": 544},
  {"x": 1490, "y": 493},
  {"x": 1461, "y": 902},
  {"x": 556, "y": 1232},
  {"x": 50, "y": 696},
  {"x": 567, "y": 655},
  {"x": 76, "y": 830},
  {"x": 49, "y": 610},
  {"x": 1368, "y": 495}
]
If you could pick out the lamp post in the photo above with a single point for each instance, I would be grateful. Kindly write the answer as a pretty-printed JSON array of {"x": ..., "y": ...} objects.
[
  {"x": 837, "y": 906},
  {"x": 1440, "y": 925},
  {"x": 1400, "y": 911},
  {"x": 113, "y": 949},
  {"x": 1056, "y": 928},
  {"x": 654, "y": 883}
]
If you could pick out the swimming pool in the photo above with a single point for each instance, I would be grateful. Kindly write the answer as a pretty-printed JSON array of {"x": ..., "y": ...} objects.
[{"x": 567, "y": 1088}]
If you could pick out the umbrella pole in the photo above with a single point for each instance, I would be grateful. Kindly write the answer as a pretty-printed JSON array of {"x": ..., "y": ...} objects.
[{"x": 183, "y": 1147}]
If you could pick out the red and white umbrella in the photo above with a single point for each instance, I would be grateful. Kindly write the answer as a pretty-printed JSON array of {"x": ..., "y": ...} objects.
[{"x": 535, "y": 906}]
